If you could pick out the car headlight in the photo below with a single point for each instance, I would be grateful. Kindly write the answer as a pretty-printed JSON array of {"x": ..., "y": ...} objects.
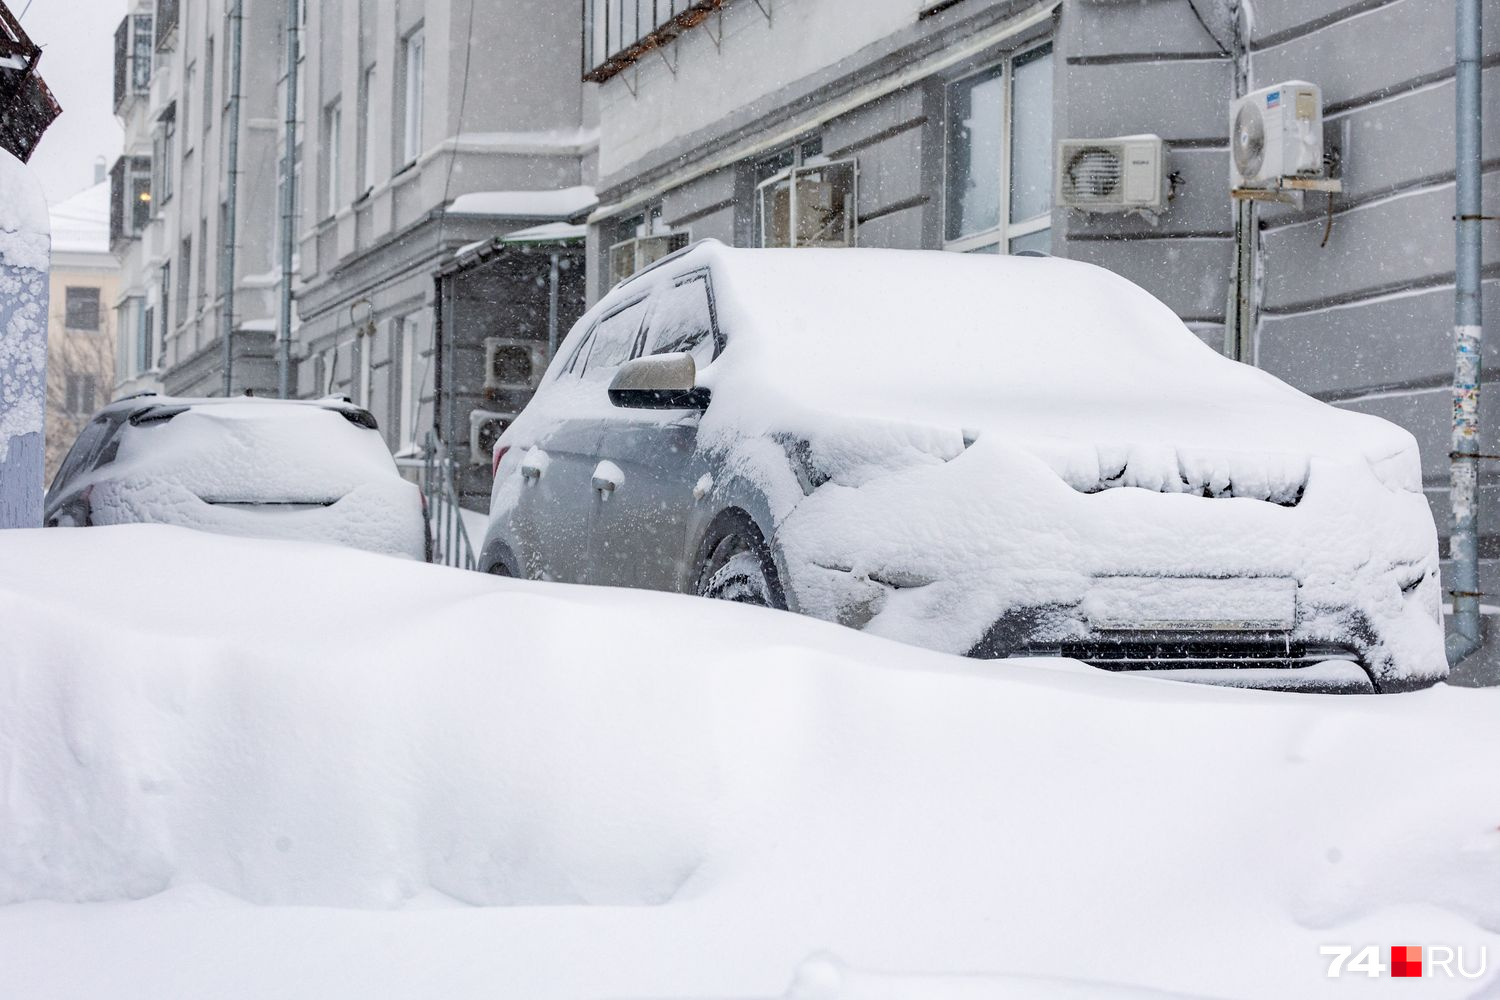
[{"x": 1400, "y": 471}]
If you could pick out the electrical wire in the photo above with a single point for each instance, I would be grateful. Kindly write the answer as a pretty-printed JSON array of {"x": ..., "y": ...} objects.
[{"x": 1193, "y": 6}]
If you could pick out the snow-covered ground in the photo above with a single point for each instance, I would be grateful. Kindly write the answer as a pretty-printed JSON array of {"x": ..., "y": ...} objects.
[{"x": 242, "y": 768}]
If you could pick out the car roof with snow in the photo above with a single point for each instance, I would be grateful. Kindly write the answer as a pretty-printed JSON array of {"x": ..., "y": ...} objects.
[{"x": 1048, "y": 349}]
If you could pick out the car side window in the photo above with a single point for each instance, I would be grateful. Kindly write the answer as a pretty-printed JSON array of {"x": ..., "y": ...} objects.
[
  {"x": 683, "y": 320},
  {"x": 617, "y": 338}
]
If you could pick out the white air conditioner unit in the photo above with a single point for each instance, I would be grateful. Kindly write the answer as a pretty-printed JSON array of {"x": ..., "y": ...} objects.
[
  {"x": 1276, "y": 132},
  {"x": 1121, "y": 174},
  {"x": 485, "y": 428},
  {"x": 629, "y": 256},
  {"x": 514, "y": 364}
]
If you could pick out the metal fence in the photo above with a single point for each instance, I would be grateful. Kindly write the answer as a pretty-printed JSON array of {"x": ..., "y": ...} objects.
[
  {"x": 617, "y": 33},
  {"x": 451, "y": 544}
]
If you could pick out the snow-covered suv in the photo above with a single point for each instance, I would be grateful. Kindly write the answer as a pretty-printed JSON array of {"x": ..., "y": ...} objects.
[
  {"x": 314, "y": 470},
  {"x": 994, "y": 456}
]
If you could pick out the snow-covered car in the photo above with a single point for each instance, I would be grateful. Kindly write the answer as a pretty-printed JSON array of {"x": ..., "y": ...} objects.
[
  {"x": 314, "y": 470},
  {"x": 992, "y": 456}
]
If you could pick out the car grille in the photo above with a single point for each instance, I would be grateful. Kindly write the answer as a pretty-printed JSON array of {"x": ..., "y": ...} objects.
[{"x": 1272, "y": 651}]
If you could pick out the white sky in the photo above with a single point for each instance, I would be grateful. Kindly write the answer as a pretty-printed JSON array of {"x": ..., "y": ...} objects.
[{"x": 77, "y": 40}]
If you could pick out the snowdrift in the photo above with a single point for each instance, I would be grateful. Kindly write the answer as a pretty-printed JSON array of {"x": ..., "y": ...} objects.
[{"x": 641, "y": 795}]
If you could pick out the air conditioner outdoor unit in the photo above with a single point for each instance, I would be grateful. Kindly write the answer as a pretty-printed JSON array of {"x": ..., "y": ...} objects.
[
  {"x": 1121, "y": 174},
  {"x": 1276, "y": 132},
  {"x": 485, "y": 428},
  {"x": 513, "y": 363},
  {"x": 629, "y": 256}
]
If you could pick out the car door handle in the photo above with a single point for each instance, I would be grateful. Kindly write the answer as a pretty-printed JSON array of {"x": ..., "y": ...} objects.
[
  {"x": 534, "y": 464},
  {"x": 607, "y": 477}
]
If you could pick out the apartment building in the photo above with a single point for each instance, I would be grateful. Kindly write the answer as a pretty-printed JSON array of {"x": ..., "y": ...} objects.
[
  {"x": 189, "y": 215},
  {"x": 937, "y": 125},
  {"x": 455, "y": 139},
  {"x": 81, "y": 341}
]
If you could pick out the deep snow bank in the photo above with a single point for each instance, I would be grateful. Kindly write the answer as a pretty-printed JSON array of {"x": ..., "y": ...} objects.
[{"x": 296, "y": 724}]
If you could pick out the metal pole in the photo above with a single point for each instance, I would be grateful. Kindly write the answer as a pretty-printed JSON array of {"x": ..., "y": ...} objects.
[
  {"x": 552, "y": 282},
  {"x": 288, "y": 210},
  {"x": 231, "y": 192},
  {"x": 1468, "y": 331}
]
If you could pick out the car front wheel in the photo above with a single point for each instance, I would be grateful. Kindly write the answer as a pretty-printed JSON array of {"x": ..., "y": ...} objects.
[{"x": 740, "y": 569}]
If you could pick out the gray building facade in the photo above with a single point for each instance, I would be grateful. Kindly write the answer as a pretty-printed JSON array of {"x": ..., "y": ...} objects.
[
  {"x": 434, "y": 126},
  {"x": 947, "y": 115}
]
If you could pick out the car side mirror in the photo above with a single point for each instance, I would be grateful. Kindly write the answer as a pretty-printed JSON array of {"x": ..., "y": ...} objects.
[{"x": 659, "y": 382}]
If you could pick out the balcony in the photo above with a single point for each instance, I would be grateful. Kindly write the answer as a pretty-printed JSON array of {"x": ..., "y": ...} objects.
[
  {"x": 134, "y": 44},
  {"x": 619, "y": 33},
  {"x": 129, "y": 200}
]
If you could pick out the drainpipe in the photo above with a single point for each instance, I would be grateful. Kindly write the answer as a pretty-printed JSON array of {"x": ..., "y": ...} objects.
[
  {"x": 1468, "y": 330},
  {"x": 288, "y": 210},
  {"x": 231, "y": 193}
]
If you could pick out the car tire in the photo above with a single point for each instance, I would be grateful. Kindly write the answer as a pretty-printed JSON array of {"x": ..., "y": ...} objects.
[{"x": 740, "y": 569}]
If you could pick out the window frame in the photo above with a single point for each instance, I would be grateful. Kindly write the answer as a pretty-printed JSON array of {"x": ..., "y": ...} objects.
[
  {"x": 413, "y": 51},
  {"x": 1006, "y": 232}
]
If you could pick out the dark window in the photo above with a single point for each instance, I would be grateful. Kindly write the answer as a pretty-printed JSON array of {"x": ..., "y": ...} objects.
[
  {"x": 80, "y": 394},
  {"x": 184, "y": 275},
  {"x": 129, "y": 197},
  {"x": 166, "y": 20},
  {"x": 683, "y": 320},
  {"x": 81, "y": 308},
  {"x": 166, "y": 300},
  {"x": 616, "y": 338}
]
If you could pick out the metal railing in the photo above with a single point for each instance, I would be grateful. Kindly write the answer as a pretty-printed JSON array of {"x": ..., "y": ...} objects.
[
  {"x": 617, "y": 33},
  {"x": 451, "y": 544}
]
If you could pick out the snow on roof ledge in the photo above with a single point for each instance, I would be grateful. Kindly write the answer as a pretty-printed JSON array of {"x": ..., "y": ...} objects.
[
  {"x": 551, "y": 204},
  {"x": 548, "y": 232}
]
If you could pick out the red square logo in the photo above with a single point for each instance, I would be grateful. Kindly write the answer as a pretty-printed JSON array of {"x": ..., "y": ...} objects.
[{"x": 1406, "y": 960}]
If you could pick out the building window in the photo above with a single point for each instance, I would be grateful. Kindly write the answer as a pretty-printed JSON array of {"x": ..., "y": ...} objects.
[
  {"x": 129, "y": 198},
  {"x": 333, "y": 121},
  {"x": 163, "y": 150},
  {"x": 208, "y": 83},
  {"x": 165, "y": 301},
  {"x": 639, "y": 241},
  {"x": 166, "y": 22},
  {"x": 81, "y": 308},
  {"x": 184, "y": 273},
  {"x": 144, "y": 340},
  {"x": 411, "y": 145},
  {"x": 202, "y": 262},
  {"x": 80, "y": 394},
  {"x": 804, "y": 200},
  {"x": 365, "y": 168},
  {"x": 999, "y": 157}
]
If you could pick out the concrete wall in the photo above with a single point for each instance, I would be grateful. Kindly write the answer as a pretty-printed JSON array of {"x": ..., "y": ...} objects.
[{"x": 1363, "y": 321}]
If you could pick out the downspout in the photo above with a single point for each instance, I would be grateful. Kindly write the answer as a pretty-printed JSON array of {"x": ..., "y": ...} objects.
[
  {"x": 1240, "y": 312},
  {"x": 1468, "y": 331},
  {"x": 232, "y": 192},
  {"x": 288, "y": 210}
]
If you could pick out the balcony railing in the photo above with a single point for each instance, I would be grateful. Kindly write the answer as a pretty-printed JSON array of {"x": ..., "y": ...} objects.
[
  {"x": 133, "y": 58},
  {"x": 618, "y": 33}
]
